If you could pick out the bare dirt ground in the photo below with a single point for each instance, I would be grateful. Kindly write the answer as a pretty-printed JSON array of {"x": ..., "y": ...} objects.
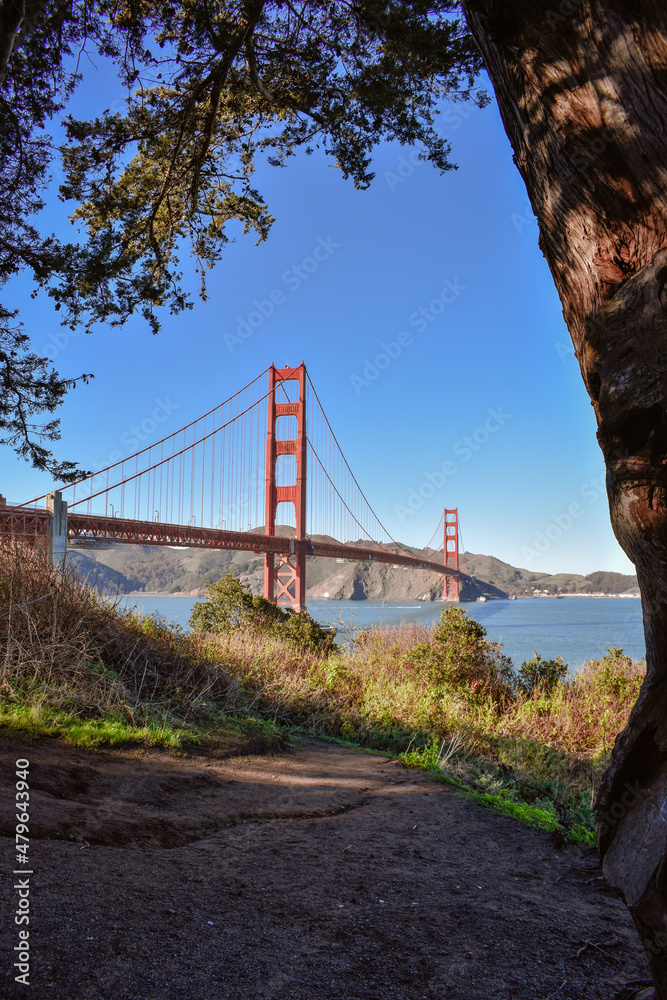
[{"x": 321, "y": 874}]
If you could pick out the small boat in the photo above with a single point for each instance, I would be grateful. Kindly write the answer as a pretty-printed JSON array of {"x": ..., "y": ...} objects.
[
  {"x": 481, "y": 600},
  {"x": 512, "y": 597}
]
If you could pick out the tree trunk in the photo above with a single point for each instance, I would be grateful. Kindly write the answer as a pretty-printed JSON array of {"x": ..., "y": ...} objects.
[{"x": 582, "y": 90}]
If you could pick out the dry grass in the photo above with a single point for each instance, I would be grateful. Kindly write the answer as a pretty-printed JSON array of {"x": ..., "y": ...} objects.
[
  {"x": 539, "y": 751},
  {"x": 376, "y": 683},
  {"x": 69, "y": 655},
  {"x": 73, "y": 663}
]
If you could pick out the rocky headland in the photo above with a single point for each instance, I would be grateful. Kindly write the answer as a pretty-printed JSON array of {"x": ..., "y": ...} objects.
[{"x": 130, "y": 569}]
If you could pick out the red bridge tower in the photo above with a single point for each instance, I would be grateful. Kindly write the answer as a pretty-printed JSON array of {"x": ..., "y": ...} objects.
[
  {"x": 451, "y": 553},
  {"x": 285, "y": 575}
]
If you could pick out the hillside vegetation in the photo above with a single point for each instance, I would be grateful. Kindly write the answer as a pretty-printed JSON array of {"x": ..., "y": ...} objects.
[
  {"x": 530, "y": 742},
  {"x": 126, "y": 569},
  {"x": 74, "y": 665}
]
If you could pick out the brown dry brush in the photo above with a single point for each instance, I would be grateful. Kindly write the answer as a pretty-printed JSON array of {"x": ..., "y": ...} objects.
[
  {"x": 553, "y": 743},
  {"x": 65, "y": 646}
]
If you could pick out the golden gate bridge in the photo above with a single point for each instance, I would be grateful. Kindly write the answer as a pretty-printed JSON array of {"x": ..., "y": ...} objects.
[{"x": 262, "y": 458}]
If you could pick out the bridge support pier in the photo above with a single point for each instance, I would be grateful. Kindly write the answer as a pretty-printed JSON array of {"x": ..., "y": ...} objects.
[
  {"x": 451, "y": 554},
  {"x": 285, "y": 574},
  {"x": 56, "y": 539}
]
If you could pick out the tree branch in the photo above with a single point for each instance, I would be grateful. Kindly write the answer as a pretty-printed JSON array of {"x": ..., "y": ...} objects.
[{"x": 12, "y": 13}]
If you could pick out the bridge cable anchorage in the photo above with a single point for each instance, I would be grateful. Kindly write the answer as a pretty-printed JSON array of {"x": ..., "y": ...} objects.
[{"x": 260, "y": 454}]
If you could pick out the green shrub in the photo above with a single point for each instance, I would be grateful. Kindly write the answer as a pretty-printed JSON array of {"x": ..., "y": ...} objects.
[
  {"x": 230, "y": 606},
  {"x": 303, "y": 632},
  {"x": 538, "y": 674},
  {"x": 613, "y": 676},
  {"x": 461, "y": 656}
]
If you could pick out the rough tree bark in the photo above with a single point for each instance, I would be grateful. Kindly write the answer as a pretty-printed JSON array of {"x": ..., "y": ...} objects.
[{"x": 582, "y": 89}]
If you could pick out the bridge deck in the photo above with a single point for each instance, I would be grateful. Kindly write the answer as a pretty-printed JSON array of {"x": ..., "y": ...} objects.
[{"x": 91, "y": 529}]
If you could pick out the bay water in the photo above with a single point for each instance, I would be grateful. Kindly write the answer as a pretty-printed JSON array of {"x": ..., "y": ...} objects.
[{"x": 576, "y": 628}]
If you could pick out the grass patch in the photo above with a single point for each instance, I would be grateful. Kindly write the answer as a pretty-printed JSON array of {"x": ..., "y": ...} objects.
[
  {"x": 93, "y": 732},
  {"x": 76, "y": 667},
  {"x": 541, "y": 817},
  {"x": 531, "y": 745},
  {"x": 35, "y": 720}
]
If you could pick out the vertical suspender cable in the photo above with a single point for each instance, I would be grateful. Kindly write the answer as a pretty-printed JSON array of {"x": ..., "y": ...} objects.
[
  {"x": 193, "y": 469},
  {"x": 213, "y": 444},
  {"x": 203, "y": 473}
]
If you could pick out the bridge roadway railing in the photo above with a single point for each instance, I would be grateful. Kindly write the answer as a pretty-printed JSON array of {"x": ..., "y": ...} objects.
[
  {"x": 83, "y": 530},
  {"x": 29, "y": 523},
  {"x": 358, "y": 553},
  {"x": 88, "y": 528}
]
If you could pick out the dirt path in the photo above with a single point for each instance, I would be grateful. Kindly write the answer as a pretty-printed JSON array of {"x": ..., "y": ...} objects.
[{"x": 325, "y": 874}]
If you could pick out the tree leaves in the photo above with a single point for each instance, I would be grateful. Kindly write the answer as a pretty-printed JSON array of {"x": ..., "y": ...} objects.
[{"x": 211, "y": 86}]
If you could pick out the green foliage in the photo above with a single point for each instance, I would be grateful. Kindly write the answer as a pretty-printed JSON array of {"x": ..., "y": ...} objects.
[
  {"x": 210, "y": 86},
  {"x": 541, "y": 675},
  {"x": 437, "y": 754},
  {"x": 34, "y": 86},
  {"x": 231, "y": 606},
  {"x": 542, "y": 817},
  {"x": 303, "y": 632},
  {"x": 38, "y": 719},
  {"x": 613, "y": 676},
  {"x": 461, "y": 656},
  {"x": 156, "y": 625}
]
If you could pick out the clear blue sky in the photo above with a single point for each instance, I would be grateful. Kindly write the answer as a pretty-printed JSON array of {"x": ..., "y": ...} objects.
[{"x": 485, "y": 383}]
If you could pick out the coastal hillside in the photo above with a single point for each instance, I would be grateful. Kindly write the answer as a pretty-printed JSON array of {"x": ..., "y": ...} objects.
[{"x": 133, "y": 569}]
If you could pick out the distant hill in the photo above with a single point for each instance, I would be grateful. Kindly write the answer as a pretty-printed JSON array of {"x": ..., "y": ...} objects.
[
  {"x": 488, "y": 577},
  {"x": 523, "y": 582},
  {"x": 132, "y": 569}
]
